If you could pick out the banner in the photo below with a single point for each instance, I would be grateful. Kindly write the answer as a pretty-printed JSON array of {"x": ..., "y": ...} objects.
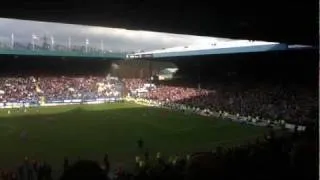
[
  {"x": 76, "y": 100},
  {"x": 89, "y": 100},
  {"x": 58, "y": 102},
  {"x": 54, "y": 102}
]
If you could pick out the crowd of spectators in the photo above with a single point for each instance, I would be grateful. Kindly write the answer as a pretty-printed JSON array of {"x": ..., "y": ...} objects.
[
  {"x": 268, "y": 101},
  {"x": 278, "y": 102},
  {"x": 134, "y": 83},
  {"x": 291, "y": 156},
  {"x": 271, "y": 101},
  {"x": 26, "y": 89},
  {"x": 174, "y": 94},
  {"x": 78, "y": 87},
  {"x": 17, "y": 89}
]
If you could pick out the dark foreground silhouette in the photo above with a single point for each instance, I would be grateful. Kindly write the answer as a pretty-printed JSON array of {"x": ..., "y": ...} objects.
[{"x": 290, "y": 156}]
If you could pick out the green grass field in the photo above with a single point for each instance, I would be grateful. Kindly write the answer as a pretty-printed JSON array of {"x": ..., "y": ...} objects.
[{"x": 89, "y": 131}]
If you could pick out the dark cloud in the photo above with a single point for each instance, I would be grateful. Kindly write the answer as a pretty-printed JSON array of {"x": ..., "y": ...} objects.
[{"x": 113, "y": 39}]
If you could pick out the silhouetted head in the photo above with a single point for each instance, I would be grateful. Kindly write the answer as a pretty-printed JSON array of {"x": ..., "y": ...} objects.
[
  {"x": 84, "y": 169},
  {"x": 106, "y": 156}
]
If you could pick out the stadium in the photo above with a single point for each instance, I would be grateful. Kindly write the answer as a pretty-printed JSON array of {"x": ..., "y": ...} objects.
[{"x": 181, "y": 116}]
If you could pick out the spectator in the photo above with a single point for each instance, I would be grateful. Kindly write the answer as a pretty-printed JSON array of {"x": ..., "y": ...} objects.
[
  {"x": 258, "y": 100},
  {"x": 84, "y": 169}
]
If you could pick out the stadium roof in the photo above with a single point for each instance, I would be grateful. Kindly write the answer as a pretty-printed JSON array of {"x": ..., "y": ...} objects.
[
  {"x": 222, "y": 47},
  {"x": 111, "y": 39},
  {"x": 215, "y": 45},
  {"x": 293, "y": 22}
]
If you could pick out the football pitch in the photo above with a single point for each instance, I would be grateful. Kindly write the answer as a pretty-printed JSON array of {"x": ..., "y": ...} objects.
[{"x": 90, "y": 131}]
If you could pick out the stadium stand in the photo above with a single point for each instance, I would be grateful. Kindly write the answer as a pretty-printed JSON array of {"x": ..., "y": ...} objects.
[
  {"x": 57, "y": 89},
  {"x": 276, "y": 94},
  {"x": 250, "y": 91}
]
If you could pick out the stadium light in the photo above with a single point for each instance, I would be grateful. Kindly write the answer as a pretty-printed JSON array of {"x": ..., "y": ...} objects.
[
  {"x": 34, "y": 37},
  {"x": 69, "y": 43},
  {"x": 52, "y": 42},
  {"x": 87, "y": 43},
  {"x": 12, "y": 41}
]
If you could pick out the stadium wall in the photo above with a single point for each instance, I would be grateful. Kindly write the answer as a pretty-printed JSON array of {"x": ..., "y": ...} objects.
[{"x": 11, "y": 105}]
